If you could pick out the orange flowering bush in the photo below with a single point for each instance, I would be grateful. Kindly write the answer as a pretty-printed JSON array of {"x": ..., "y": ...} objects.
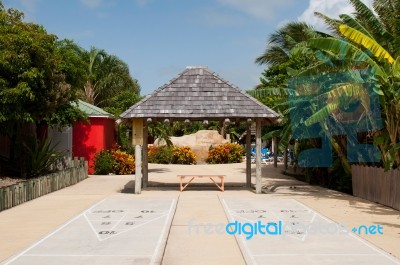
[
  {"x": 124, "y": 163},
  {"x": 115, "y": 161},
  {"x": 183, "y": 155},
  {"x": 226, "y": 153},
  {"x": 171, "y": 155},
  {"x": 151, "y": 150},
  {"x": 160, "y": 155}
]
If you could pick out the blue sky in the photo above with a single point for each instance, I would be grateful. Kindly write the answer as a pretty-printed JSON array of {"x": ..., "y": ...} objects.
[{"x": 159, "y": 38}]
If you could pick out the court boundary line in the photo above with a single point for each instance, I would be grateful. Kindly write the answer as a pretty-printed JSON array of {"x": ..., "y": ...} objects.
[
  {"x": 242, "y": 244},
  {"x": 63, "y": 255},
  {"x": 323, "y": 254},
  {"x": 50, "y": 234},
  {"x": 162, "y": 235}
]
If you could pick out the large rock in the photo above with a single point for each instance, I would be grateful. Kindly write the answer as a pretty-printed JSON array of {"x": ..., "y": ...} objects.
[{"x": 200, "y": 142}]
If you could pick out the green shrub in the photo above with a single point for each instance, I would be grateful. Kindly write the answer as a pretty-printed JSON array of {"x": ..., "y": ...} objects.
[
  {"x": 124, "y": 163},
  {"x": 224, "y": 154},
  {"x": 103, "y": 163},
  {"x": 183, "y": 155},
  {"x": 235, "y": 153},
  {"x": 115, "y": 161},
  {"x": 160, "y": 155},
  {"x": 40, "y": 157}
]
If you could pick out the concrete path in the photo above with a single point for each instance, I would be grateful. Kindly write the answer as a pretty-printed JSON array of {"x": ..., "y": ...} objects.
[{"x": 195, "y": 229}]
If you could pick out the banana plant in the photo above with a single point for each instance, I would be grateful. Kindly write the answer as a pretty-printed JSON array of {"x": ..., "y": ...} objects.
[{"x": 360, "y": 45}]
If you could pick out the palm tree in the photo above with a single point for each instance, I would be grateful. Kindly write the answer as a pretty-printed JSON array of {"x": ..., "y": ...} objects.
[
  {"x": 94, "y": 59},
  {"x": 282, "y": 42},
  {"x": 107, "y": 76},
  {"x": 285, "y": 55}
]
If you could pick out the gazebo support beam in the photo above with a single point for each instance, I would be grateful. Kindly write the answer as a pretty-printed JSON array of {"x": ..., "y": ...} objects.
[
  {"x": 258, "y": 156},
  {"x": 145, "y": 162},
  {"x": 248, "y": 155},
  {"x": 275, "y": 150}
]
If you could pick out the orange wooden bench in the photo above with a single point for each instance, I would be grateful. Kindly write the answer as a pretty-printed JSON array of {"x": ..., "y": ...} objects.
[{"x": 211, "y": 177}]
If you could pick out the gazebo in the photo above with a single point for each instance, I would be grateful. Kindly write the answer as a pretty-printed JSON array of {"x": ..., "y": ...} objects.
[{"x": 198, "y": 94}]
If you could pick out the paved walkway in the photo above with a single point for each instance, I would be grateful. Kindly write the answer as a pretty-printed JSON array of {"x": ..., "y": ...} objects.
[{"x": 194, "y": 234}]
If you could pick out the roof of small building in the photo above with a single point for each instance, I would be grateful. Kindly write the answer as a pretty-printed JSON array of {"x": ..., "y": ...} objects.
[
  {"x": 198, "y": 93},
  {"x": 92, "y": 111}
]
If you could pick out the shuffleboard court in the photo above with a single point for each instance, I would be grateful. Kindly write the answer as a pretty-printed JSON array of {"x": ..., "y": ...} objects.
[
  {"x": 297, "y": 235},
  {"x": 114, "y": 231}
]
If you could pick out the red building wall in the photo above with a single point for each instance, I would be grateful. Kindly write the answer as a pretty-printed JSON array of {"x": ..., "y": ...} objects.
[{"x": 88, "y": 139}]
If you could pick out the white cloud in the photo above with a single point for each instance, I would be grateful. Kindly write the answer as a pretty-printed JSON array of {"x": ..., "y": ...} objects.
[
  {"x": 330, "y": 8},
  {"x": 261, "y": 9},
  {"x": 91, "y": 3}
]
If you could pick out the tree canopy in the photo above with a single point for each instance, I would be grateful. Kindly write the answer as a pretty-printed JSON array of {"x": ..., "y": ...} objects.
[{"x": 33, "y": 84}]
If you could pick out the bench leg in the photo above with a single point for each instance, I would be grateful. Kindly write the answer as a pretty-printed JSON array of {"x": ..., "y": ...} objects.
[
  {"x": 221, "y": 187},
  {"x": 184, "y": 187}
]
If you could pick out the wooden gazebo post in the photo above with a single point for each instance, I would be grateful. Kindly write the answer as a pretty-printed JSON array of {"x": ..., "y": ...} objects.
[
  {"x": 137, "y": 140},
  {"x": 248, "y": 154},
  {"x": 145, "y": 162},
  {"x": 258, "y": 156}
]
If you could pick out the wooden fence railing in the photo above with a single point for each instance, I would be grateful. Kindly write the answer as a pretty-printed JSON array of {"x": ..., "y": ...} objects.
[
  {"x": 374, "y": 184},
  {"x": 74, "y": 172}
]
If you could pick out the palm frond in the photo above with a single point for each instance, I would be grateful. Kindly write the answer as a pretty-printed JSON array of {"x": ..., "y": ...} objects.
[
  {"x": 269, "y": 135},
  {"x": 344, "y": 49},
  {"x": 331, "y": 23},
  {"x": 367, "y": 17},
  {"x": 396, "y": 67},
  {"x": 351, "y": 22},
  {"x": 354, "y": 91},
  {"x": 388, "y": 12},
  {"x": 361, "y": 39},
  {"x": 317, "y": 69},
  {"x": 273, "y": 55},
  {"x": 323, "y": 113},
  {"x": 267, "y": 92}
]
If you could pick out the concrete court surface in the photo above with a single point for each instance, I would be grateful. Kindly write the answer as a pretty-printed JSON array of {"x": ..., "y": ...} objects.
[
  {"x": 113, "y": 231},
  {"x": 298, "y": 235},
  {"x": 24, "y": 228}
]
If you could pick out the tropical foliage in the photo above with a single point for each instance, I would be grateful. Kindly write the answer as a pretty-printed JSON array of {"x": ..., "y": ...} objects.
[
  {"x": 107, "y": 80},
  {"x": 370, "y": 40},
  {"x": 124, "y": 163},
  {"x": 103, "y": 163},
  {"x": 34, "y": 90},
  {"x": 225, "y": 154},
  {"x": 41, "y": 157},
  {"x": 347, "y": 69},
  {"x": 41, "y": 77},
  {"x": 160, "y": 155},
  {"x": 114, "y": 161},
  {"x": 183, "y": 155},
  {"x": 171, "y": 155}
]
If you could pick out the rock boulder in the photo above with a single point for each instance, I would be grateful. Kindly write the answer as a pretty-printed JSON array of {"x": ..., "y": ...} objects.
[{"x": 200, "y": 142}]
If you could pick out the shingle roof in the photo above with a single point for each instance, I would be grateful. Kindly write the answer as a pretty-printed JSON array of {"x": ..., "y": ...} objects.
[
  {"x": 199, "y": 93},
  {"x": 91, "y": 110}
]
